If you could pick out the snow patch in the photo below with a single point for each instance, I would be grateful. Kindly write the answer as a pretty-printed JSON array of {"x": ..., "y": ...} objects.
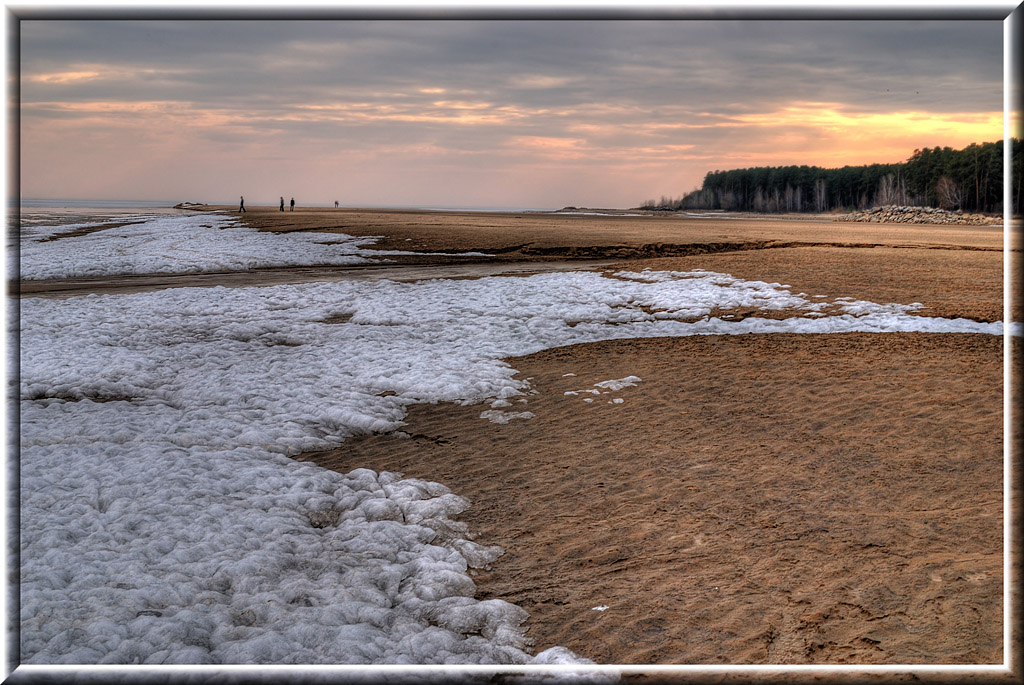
[{"x": 495, "y": 416}]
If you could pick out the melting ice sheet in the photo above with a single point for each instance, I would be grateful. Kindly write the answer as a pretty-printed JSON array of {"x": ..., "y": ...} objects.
[
  {"x": 193, "y": 243},
  {"x": 163, "y": 522}
]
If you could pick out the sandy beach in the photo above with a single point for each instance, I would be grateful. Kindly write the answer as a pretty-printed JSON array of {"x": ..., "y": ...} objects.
[
  {"x": 640, "y": 348},
  {"x": 953, "y": 270},
  {"x": 751, "y": 499},
  {"x": 754, "y": 499},
  {"x": 777, "y": 499}
]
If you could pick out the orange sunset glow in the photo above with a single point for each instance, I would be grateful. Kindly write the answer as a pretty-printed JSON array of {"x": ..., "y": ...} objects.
[{"x": 485, "y": 113}]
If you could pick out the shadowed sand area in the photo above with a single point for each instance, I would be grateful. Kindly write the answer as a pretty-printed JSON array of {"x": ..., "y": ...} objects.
[{"x": 754, "y": 499}]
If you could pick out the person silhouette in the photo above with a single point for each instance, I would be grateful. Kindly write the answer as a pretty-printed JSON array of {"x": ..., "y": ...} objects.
[
  {"x": 241, "y": 203},
  {"x": 292, "y": 207},
  {"x": 335, "y": 204},
  {"x": 282, "y": 204}
]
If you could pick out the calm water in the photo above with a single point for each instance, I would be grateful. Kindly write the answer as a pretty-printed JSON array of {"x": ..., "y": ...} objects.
[
  {"x": 60, "y": 211},
  {"x": 69, "y": 203}
]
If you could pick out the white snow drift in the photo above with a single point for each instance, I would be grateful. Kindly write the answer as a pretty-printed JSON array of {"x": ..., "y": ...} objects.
[{"x": 190, "y": 243}]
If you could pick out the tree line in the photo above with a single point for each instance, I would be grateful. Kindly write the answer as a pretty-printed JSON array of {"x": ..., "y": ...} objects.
[{"x": 970, "y": 179}]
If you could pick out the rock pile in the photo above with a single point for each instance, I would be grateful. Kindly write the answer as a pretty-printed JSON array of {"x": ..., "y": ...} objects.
[{"x": 919, "y": 215}]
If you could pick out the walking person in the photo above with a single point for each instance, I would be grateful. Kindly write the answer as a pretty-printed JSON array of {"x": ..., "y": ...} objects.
[
  {"x": 292, "y": 207},
  {"x": 335, "y": 204},
  {"x": 282, "y": 204},
  {"x": 241, "y": 203}
]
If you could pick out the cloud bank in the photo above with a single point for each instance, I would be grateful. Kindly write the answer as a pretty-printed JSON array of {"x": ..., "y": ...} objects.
[{"x": 484, "y": 113}]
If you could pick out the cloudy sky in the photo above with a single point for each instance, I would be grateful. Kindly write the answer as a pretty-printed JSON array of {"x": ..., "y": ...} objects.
[{"x": 484, "y": 113}]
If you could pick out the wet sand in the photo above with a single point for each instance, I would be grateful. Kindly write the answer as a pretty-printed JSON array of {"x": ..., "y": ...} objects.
[{"x": 758, "y": 499}]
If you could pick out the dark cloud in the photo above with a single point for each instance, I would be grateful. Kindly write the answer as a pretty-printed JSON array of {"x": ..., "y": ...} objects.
[{"x": 956, "y": 64}]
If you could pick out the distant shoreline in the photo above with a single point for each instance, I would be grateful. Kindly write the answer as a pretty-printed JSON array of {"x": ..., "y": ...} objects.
[
  {"x": 567, "y": 210},
  {"x": 28, "y": 205}
]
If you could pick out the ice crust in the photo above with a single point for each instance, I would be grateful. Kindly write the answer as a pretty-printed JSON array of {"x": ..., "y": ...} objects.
[
  {"x": 191, "y": 243},
  {"x": 497, "y": 416},
  {"x": 619, "y": 383},
  {"x": 164, "y": 522}
]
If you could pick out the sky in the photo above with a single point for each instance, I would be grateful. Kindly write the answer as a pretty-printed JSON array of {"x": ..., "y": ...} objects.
[{"x": 501, "y": 113}]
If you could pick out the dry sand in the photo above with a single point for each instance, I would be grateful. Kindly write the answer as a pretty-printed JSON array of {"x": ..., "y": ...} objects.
[
  {"x": 759, "y": 499},
  {"x": 753, "y": 500},
  {"x": 542, "y": 234}
]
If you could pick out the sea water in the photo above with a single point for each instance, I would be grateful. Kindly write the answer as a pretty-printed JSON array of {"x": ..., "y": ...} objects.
[{"x": 32, "y": 211}]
